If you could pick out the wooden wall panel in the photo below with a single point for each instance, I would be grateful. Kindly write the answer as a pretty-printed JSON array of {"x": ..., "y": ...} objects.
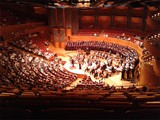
[
  {"x": 104, "y": 21},
  {"x": 62, "y": 35},
  {"x": 88, "y": 19},
  {"x": 120, "y": 21},
  {"x": 40, "y": 10},
  {"x": 60, "y": 17},
  {"x": 136, "y": 23},
  {"x": 75, "y": 20},
  {"x": 152, "y": 24},
  {"x": 52, "y": 38},
  {"x": 56, "y": 34},
  {"x": 105, "y": 11},
  {"x": 87, "y": 12},
  {"x": 68, "y": 32},
  {"x": 52, "y": 18},
  {"x": 156, "y": 66},
  {"x": 68, "y": 17},
  {"x": 62, "y": 45},
  {"x": 121, "y": 10},
  {"x": 148, "y": 76},
  {"x": 57, "y": 44},
  {"x": 137, "y": 12}
]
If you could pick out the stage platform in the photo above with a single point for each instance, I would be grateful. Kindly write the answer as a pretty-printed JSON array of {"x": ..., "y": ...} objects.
[{"x": 115, "y": 79}]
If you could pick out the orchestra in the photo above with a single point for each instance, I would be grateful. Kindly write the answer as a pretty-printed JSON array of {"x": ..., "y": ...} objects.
[{"x": 104, "y": 63}]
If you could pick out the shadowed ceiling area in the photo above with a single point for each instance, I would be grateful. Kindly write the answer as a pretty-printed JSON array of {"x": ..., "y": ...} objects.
[{"x": 90, "y": 3}]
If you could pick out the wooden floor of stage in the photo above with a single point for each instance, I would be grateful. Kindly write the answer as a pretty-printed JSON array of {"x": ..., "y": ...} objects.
[{"x": 64, "y": 55}]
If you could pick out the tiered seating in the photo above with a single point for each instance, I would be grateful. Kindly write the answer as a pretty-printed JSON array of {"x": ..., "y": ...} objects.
[
  {"x": 34, "y": 44},
  {"x": 147, "y": 56},
  {"x": 14, "y": 113},
  {"x": 88, "y": 32},
  {"x": 156, "y": 15},
  {"x": 154, "y": 40},
  {"x": 23, "y": 70},
  {"x": 113, "y": 103},
  {"x": 89, "y": 26},
  {"x": 121, "y": 33},
  {"x": 126, "y": 34},
  {"x": 129, "y": 32}
]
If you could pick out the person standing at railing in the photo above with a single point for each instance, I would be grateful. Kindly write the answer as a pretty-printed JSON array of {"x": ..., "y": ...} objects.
[
  {"x": 123, "y": 71},
  {"x": 127, "y": 70},
  {"x": 132, "y": 70}
]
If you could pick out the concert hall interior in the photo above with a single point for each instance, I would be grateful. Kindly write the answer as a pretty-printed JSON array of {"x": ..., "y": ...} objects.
[{"x": 79, "y": 59}]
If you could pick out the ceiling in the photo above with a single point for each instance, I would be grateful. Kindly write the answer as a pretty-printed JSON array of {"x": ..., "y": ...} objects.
[{"x": 90, "y": 3}]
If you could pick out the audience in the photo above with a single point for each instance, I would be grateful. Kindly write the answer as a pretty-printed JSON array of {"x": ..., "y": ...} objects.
[
  {"x": 28, "y": 71},
  {"x": 30, "y": 44}
]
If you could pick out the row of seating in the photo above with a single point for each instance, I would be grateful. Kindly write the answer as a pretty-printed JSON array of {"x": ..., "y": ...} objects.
[
  {"x": 62, "y": 103},
  {"x": 25, "y": 70},
  {"x": 88, "y": 32},
  {"x": 135, "y": 36},
  {"x": 79, "y": 113},
  {"x": 147, "y": 56},
  {"x": 33, "y": 44},
  {"x": 132, "y": 94},
  {"x": 154, "y": 40},
  {"x": 43, "y": 102},
  {"x": 156, "y": 15},
  {"x": 113, "y": 32}
]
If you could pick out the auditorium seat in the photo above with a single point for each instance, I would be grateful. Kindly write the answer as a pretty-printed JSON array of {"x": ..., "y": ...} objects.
[
  {"x": 150, "y": 105},
  {"x": 115, "y": 98},
  {"x": 133, "y": 93},
  {"x": 102, "y": 92},
  {"x": 14, "y": 90},
  {"x": 153, "y": 103},
  {"x": 6, "y": 95},
  {"x": 157, "y": 96},
  {"x": 33, "y": 104},
  {"x": 26, "y": 93},
  {"x": 143, "y": 114},
  {"x": 43, "y": 93},
  {"x": 14, "y": 114},
  {"x": 72, "y": 103},
  {"x": 83, "y": 92},
  {"x": 73, "y": 113},
  {"x": 149, "y": 93},
  {"x": 143, "y": 98},
  {"x": 4, "y": 103},
  {"x": 117, "y": 93},
  {"x": 114, "y": 104}
]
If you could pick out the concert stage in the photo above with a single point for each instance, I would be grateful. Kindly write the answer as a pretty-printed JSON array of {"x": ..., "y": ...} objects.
[{"x": 113, "y": 80}]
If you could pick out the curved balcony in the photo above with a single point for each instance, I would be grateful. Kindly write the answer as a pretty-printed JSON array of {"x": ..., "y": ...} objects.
[
  {"x": 151, "y": 64},
  {"x": 148, "y": 76},
  {"x": 156, "y": 16},
  {"x": 152, "y": 43}
]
